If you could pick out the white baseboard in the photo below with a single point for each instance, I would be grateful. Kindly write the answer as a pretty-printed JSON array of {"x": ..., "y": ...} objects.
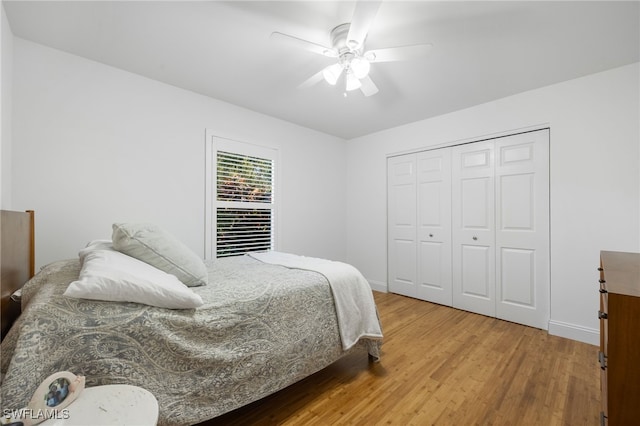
[
  {"x": 378, "y": 286},
  {"x": 575, "y": 332}
]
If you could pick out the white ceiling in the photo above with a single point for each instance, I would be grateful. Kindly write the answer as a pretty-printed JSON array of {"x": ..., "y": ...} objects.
[{"x": 482, "y": 51}]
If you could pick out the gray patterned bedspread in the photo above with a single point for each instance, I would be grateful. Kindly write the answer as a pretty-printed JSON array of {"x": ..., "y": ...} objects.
[{"x": 262, "y": 328}]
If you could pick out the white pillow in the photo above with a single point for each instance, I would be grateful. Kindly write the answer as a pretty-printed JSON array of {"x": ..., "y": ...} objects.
[
  {"x": 95, "y": 245},
  {"x": 109, "y": 275},
  {"x": 153, "y": 245}
]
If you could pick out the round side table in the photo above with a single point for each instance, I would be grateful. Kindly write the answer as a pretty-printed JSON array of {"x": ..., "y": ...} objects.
[{"x": 110, "y": 405}]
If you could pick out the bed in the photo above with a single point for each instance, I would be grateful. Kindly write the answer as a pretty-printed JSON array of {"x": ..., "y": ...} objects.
[{"x": 261, "y": 327}]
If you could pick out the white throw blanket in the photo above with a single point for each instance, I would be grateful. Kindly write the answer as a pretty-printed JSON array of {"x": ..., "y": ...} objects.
[{"x": 355, "y": 307}]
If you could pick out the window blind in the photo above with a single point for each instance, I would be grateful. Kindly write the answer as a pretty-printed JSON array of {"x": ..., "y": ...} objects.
[
  {"x": 244, "y": 203},
  {"x": 242, "y": 230},
  {"x": 244, "y": 178}
]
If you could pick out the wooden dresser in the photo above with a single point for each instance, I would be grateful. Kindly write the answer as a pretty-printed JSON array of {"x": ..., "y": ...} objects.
[{"x": 620, "y": 337}]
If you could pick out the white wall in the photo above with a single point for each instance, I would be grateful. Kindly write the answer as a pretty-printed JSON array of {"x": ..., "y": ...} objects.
[
  {"x": 595, "y": 181},
  {"x": 6, "y": 72},
  {"x": 93, "y": 145}
]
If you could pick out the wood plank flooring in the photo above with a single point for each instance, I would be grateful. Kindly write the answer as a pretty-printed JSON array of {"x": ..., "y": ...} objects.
[{"x": 443, "y": 366}]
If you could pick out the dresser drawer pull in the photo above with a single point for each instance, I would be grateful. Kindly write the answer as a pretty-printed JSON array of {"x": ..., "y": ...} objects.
[
  {"x": 600, "y": 269},
  {"x": 601, "y": 281},
  {"x": 602, "y": 359},
  {"x": 603, "y": 291},
  {"x": 602, "y": 315}
]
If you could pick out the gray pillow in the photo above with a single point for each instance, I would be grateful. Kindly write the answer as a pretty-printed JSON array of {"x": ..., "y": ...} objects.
[{"x": 151, "y": 244}]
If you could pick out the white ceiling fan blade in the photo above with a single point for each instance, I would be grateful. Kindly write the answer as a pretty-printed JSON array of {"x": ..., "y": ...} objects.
[
  {"x": 303, "y": 44},
  {"x": 368, "y": 87},
  {"x": 313, "y": 80},
  {"x": 363, "y": 16},
  {"x": 401, "y": 53}
]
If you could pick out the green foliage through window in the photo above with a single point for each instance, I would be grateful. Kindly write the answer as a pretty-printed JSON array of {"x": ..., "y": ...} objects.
[{"x": 244, "y": 178}]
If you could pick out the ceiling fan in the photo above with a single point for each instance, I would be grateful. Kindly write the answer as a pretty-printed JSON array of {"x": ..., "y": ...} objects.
[{"x": 347, "y": 46}]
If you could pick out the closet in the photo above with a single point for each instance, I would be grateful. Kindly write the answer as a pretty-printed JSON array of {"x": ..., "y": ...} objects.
[{"x": 468, "y": 226}]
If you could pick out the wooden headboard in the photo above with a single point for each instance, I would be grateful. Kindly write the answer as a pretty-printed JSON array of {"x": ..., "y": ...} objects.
[{"x": 17, "y": 259}]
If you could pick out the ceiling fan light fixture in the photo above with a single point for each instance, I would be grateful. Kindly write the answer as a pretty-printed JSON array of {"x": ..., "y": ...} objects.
[
  {"x": 360, "y": 67},
  {"x": 332, "y": 73},
  {"x": 353, "y": 82}
]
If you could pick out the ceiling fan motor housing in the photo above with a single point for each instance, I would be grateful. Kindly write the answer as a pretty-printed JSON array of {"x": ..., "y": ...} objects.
[
  {"x": 339, "y": 40},
  {"x": 348, "y": 55}
]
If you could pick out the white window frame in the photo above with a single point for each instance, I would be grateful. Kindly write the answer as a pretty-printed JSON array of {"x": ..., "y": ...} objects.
[{"x": 214, "y": 144}]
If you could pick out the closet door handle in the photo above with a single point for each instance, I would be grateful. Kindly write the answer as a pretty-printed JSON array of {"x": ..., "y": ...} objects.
[
  {"x": 475, "y": 238},
  {"x": 431, "y": 235}
]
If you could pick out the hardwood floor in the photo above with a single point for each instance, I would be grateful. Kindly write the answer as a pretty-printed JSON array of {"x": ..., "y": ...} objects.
[{"x": 443, "y": 366}]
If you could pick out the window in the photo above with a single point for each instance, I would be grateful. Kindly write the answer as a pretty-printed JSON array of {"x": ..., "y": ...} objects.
[{"x": 240, "y": 197}]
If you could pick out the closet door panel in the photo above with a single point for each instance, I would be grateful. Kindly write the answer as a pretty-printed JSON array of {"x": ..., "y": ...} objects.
[
  {"x": 475, "y": 194},
  {"x": 403, "y": 198},
  {"x": 430, "y": 195},
  {"x": 517, "y": 202},
  {"x": 434, "y": 226},
  {"x": 401, "y": 232},
  {"x": 404, "y": 266},
  {"x": 430, "y": 265},
  {"x": 476, "y": 271},
  {"x": 473, "y": 228},
  {"x": 522, "y": 228},
  {"x": 518, "y": 276}
]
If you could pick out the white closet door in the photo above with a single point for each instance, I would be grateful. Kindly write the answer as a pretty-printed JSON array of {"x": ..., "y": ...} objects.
[
  {"x": 434, "y": 226},
  {"x": 473, "y": 227},
  {"x": 401, "y": 205},
  {"x": 522, "y": 228}
]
